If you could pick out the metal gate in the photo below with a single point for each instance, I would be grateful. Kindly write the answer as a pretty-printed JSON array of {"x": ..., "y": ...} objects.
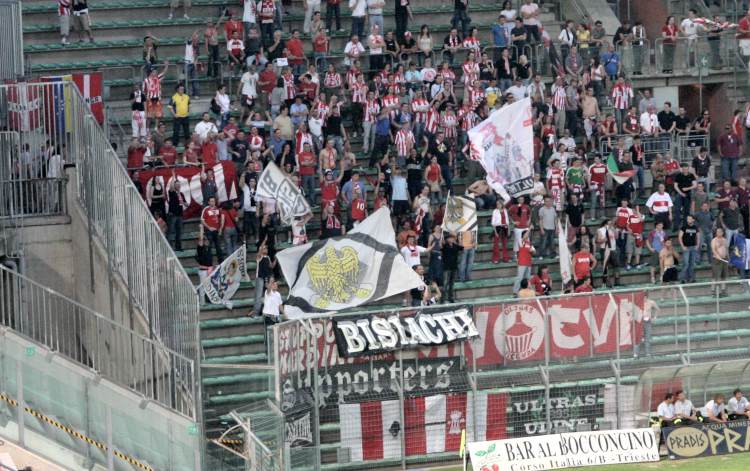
[{"x": 11, "y": 37}]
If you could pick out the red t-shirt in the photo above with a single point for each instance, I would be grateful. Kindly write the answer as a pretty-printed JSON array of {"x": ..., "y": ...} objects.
[
  {"x": 539, "y": 282},
  {"x": 209, "y": 153},
  {"x": 229, "y": 215},
  {"x": 296, "y": 49},
  {"x": 135, "y": 157},
  {"x": 584, "y": 289},
  {"x": 307, "y": 163},
  {"x": 231, "y": 27},
  {"x": 268, "y": 76},
  {"x": 520, "y": 215},
  {"x": 582, "y": 264},
  {"x": 210, "y": 217},
  {"x": 329, "y": 191},
  {"x": 320, "y": 43},
  {"x": 622, "y": 215},
  {"x": 168, "y": 154},
  {"x": 358, "y": 209},
  {"x": 380, "y": 201},
  {"x": 743, "y": 24},
  {"x": 524, "y": 254},
  {"x": 308, "y": 89}
]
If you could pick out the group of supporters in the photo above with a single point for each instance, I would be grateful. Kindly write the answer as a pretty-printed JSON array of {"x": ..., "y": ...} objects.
[
  {"x": 406, "y": 108},
  {"x": 677, "y": 410}
]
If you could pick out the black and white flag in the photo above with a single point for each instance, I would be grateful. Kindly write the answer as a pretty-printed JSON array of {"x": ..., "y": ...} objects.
[
  {"x": 347, "y": 271},
  {"x": 290, "y": 201}
]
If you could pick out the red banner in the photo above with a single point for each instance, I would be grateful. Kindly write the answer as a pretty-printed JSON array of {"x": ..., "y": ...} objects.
[
  {"x": 24, "y": 105},
  {"x": 576, "y": 326},
  {"x": 191, "y": 185},
  {"x": 90, "y": 85}
]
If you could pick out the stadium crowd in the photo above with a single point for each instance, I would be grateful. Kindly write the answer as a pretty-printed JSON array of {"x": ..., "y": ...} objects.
[{"x": 410, "y": 98}]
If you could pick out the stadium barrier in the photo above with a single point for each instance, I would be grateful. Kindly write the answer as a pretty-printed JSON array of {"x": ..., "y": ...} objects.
[{"x": 547, "y": 365}]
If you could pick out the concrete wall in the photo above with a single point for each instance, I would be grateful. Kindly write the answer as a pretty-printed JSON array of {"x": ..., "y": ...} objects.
[{"x": 652, "y": 13}]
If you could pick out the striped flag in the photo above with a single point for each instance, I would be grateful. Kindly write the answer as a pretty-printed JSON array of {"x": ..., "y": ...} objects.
[
  {"x": 562, "y": 246},
  {"x": 90, "y": 86},
  {"x": 614, "y": 170},
  {"x": 24, "y": 106},
  {"x": 58, "y": 105},
  {"x": 431, "y": 424}
]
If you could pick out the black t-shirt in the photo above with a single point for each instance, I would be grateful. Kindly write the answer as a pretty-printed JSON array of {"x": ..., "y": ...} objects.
[
  {"x": 682, "y": 122},
  {"x": 502, "y": 73},
  {"x": 459, "y": 5},
  {"x": 702, "y": 166},
  {"x": 407, "y": 43},
  {"x": 241, "y": 148},
  {"x": 620, "y": 35},
  {"x": 401, "y": 9},
  {"x": 684, "y": 181},
  {"x": 575, "y": 214},
  {"x": 440, "y": 151},
  {"x": 390, "y": 45},
  {"x": 666, "y": 119},
  {"x": 276, "y": 53},
  {"x": 450, "y": 256},
  {"x": 414, "y": 169},
  {"x": 138, "y": 100},
  {"x": 333, "y": 126},
  {"x": 518, "y": 32},
  {"x": 265, "y": 271},
  {"x": 637, "y": 157},
  {"x": 689, "y": 235}
]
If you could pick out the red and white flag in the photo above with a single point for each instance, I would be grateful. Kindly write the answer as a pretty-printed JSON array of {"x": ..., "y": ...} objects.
[
  {"x": 24, "y": 106},
  {"x": 90, "y": 85},
  {"x": 431, "y": 424}
]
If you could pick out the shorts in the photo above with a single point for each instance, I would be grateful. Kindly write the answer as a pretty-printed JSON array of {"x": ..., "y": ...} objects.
[
  {"x": 655, "y": 259},
  {"x": 64, "y": 25},
  {"x": 185, "y": 3},
  {"x": 670, "y": 275},
  {"x": 82, "y": 22},
  {"x": 632, "y": 246},
  {"x": 153, "y": 108}
]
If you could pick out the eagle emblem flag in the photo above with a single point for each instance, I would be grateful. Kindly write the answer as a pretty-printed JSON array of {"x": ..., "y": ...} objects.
[
  {"x": 460, "y": 214},
  {"x": 346, "y": 271},
  {"x": 290, "y": 201},
  {"x": 504, "y": 145}
]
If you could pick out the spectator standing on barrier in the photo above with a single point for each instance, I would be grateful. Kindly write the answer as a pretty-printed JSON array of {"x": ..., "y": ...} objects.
[
  {"x": 738, "y": 406},
  {"x": 205, "y": 264},
  {"x": 375, "y": 13},
  {"x": 715, "y": 410},
  {"x": 273, "y": 305},
  {"x": 176, "y": 205},
  {"x": 690, "y": 28},
  {"x": 359, "y": 12},
  {"x": 729, "y": 151},
  {"x": 264, "y": 267},
  {"x": 138, "y": 111},
  {"x": 174, "y": 4},
  {"x": 647, "y": 315},
  {"x": 333, "y": 10},
  {"x": 654, "y": 243}
]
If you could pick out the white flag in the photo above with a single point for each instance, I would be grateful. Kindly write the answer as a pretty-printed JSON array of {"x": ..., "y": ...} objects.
[
  {"x": 290, "y": 201},
  {"x": 562, "y": 248},
  {"x": 342, "y": 272},
  {"x": 225, "y": 280},
  {"x": 460, "y": 214},
  {"x": 504, "y": 145}
]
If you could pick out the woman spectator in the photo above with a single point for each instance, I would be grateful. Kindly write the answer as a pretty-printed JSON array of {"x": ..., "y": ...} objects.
[
  {"x": 508, "y": 11},
  {"x": 425, "y": 44},
  {"x": 434, "y": 179},
  {"x": 597, "y": 76},
  {"x": 435, "y": 267},
  {"x": 669, "y": 32},
  {"x": 583, "y": 37},
  {"x": 472, "y": 43},
  {"x": 524, "y": 70},
  {"x": 500, "y": 232},
  {"x": 332, "y": 82},
  {"x": 155, "y": 196},
  {"x": 223, "y": 103},
  {"x": 486, "y": 70}
]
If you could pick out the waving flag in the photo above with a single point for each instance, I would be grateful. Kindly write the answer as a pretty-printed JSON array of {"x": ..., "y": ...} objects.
[
  {"x": 504, "y": 145},
  {"x": 738, "y": 252},
  {"x": 614, "y": 170},
  {"x": 225, "y": 280},
  {"x": 290, "y": 201},
  {"x": 347, "y": 271},
  {"x": 460, "y": 214},
  {"x": 562, "y": 246},
  {"x": 90, "y": 86},
  {"x": 24, "y": 106}
]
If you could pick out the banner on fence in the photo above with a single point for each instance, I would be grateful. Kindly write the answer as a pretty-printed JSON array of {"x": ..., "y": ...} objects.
[
  {"x": 504, "y": 145},
  {"x": 298, "y": 430},
  {"x": 375, "y": 334},
  {"x": 708, "y": 439},
  {"x": 290, "y": 201},
  {"x": 90, "y": 85},
  {"x": 24, "y": 105},
  {"x": 58, "y": 106},
  {"x": 576, "y": 326},
  {"x": 225, "y": 279},
  {"x": 566, "y": 450},
  {"x": 191, "y": 185},
  {"x": 430, "y": 424},
  {"x": 569, "y": 408}
]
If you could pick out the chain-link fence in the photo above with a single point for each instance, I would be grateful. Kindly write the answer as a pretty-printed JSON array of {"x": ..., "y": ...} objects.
[{"x": 546, "y": 365}]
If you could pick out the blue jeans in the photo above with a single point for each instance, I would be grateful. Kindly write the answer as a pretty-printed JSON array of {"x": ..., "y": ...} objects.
[
  {"x": 447, "y": 176},
  {"x": 728, "y": 168},
  {"x": 464, "y": 267},
  {"x": 639, "y": 178},
  {"x": 646, "y": 340},
  {"x": 522, "y": 272},
  {"x": 461, "y": 16},
  {"x": 309, "y": 183},
  {"x": 548, "y": 243},
  {"x": 175, "y": 231},
  {"x": 376, "y": 20},
  {"x": 231, "y": 239},
  {"x": 689, "y": 257},
  {"x": 190, "y": 77},
  {"x": 681, "y": 210},
  {"x": 358, "y": 26}
]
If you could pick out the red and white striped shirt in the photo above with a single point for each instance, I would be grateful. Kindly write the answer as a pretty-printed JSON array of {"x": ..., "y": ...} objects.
[
  {"x": 351, "y": 76},
  {"x": 598, "y": 174},
  {"x": 391, "y": 101},
  {"x": 555, "y": 178},
  {"x": 404, "y": 141},
  {"x": 419, "y": 107},
  {"x": 476, "y": 95},
  {"x": 323, "y": 109},
  {"x": 359, "y": 92},
  {"x": 302, "y": 138},
  {"x": 621, "y": 96},
  {"x": 332, "y": 80},
  {"x": 398, "y": 82},
  {"x": 471, "y": 72},
  {"x": 449, "y": 123},
  {"x": 472, "y": 43},
  {"x": 467, "y": 118},
  {"x": 152, "y": 86},
  {"x": 291, "y": 91},
  {"x": 448, "y": 76},
  {"x": 63, "y": 7},
  {"x": 558, "y": 98},
  {"x": 372, "y": 109},
  {"x": 433, "y": 119}
]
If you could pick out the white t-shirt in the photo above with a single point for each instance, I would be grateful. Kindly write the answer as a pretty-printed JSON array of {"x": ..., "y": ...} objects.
[
  {"x": 665, "y": 411},
  {"x": 712, "y": 409},
  {"x": 530, "y": 8},
  {"x": 659, "y": 203},
  {"x": 690, "y": 27},
  {"x": 411, "y": 254},
  {"x": 203, "y": 128},
  {"x": 735, "y": 406},
  {"x": 222, "y": 99},
  {"x": 518, "y": 92},
  {"x": 315, "y": 125},
  {"x": 649, "y": 122},
  {"x": 248, "y": 14},
  {"x": 271, "y": 304},
  {"x": 353, "y": 49},
  {"x": 683, "y": 407},
  {"x": 249, "y": 80}
]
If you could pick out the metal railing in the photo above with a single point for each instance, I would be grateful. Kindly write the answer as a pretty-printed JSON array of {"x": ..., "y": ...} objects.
[
  {"x": 11, "y": 38},
  {"x": 685, "y": 55},
  {"x": 116, "y": 352},
  {"x": 139, "y": 258},
  {"x": 652, "y": 144},
  {"x": 585, "y": 350}
]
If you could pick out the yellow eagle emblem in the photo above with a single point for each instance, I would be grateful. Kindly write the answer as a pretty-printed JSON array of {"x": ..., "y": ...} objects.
[{"x": 334, "y": 276}]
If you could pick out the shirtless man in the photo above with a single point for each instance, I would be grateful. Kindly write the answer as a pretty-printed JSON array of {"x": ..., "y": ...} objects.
[{"x": 720, "y": 263}]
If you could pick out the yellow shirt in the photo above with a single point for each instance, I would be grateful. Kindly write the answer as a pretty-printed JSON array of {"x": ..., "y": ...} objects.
[
  {"x": 180, "y": 104},
  {"x": 584, "y": 36}
]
